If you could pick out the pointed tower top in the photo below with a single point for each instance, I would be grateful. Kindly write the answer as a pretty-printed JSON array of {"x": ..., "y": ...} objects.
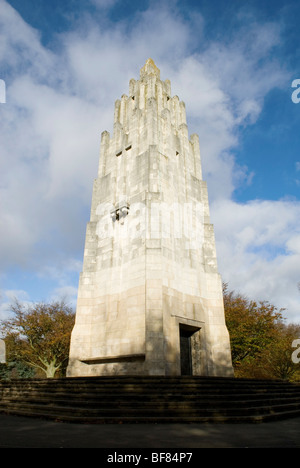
[{"x": 150, "y": 68}]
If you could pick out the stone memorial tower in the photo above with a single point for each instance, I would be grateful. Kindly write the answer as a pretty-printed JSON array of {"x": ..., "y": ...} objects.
[{"x": 150, "y": 297}]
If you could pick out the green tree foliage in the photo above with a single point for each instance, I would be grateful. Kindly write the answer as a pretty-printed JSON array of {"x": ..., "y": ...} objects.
[
  {"x": 16, "y": 370},
  {"x": 261, "y": 343},
  {"x": 39, "y": 335}
]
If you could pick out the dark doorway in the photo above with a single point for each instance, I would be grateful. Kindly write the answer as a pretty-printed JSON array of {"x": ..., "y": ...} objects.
[{"x": 185, "y": 351}]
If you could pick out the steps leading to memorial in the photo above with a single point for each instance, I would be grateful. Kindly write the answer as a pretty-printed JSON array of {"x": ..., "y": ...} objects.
[{"x": 151, "y": 399}]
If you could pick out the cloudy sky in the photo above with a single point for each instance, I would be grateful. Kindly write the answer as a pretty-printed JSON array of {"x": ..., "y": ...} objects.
[{"x": 64, "y": 63}]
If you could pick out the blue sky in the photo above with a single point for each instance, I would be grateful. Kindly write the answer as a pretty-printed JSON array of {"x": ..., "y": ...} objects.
[{"x": 232, "y": 63}]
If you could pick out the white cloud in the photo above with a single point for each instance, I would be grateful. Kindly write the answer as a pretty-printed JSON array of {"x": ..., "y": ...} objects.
[
  {"x": 67, "y": 294},
  {"x": 58, "y": 103},
  {"x": 7, "y": 299},
  {"x": 258, "y": 246},
  {"x": 20, "y": 45}
]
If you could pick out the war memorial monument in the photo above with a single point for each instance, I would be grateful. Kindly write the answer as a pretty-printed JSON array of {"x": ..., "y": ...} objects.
[{"x": 150, "y": 296}]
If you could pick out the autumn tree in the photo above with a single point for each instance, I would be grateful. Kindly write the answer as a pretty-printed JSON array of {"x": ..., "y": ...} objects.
[
  {"x": 39, "y": 335},
  {"x": 277, "y": 358},
  {"x": 252, "y": 326}
]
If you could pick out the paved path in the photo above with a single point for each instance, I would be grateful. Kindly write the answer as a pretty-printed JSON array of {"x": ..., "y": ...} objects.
[{"x": 19, "y": 432}]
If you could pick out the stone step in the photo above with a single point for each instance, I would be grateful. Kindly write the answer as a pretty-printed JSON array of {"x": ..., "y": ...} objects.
[
  {"x": 141, "y": 419},
  {"x": 178, "y": 409},
  {"x": 144, "y": 388},
  {"x": 129, "y": 398},
  {"x": 92, "y": 417},
  {"x": 137, "y": 394},
  {"x": 146, "y": 379},
  {"x": 150, "y": 386},
  {"x": 156, "y": 405},
  {"x": 146, "y": 399}
]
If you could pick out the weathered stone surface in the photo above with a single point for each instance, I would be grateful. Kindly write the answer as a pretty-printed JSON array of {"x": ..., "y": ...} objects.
[
  {"x": 2, "y": 352},
  {"x": 150, "y": 268}
]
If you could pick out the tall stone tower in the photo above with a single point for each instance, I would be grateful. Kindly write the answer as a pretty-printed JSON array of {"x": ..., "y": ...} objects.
[{"x": 150, "y": 297}]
